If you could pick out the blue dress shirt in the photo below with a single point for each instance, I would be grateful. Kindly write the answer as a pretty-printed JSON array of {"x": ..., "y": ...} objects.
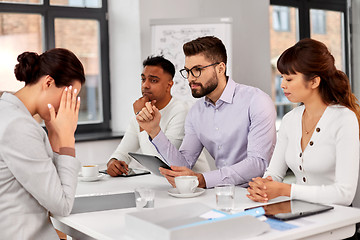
[{"x": 238, "y": 131}]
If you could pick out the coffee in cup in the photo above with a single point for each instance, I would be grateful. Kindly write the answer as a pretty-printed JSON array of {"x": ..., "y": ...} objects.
[
  {"x": 90, "y": 171},
  {"x": 186, "y": 184}
]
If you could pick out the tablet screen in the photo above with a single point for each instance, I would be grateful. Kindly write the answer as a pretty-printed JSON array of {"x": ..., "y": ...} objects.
[
  {"x": 132, "y": 172},
  {"x": 153, "y": 163},
  {"x": 292, "y": 209}
]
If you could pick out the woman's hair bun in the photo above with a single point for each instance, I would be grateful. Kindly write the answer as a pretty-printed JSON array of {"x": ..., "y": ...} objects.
[{"x": 27, "y": 68}]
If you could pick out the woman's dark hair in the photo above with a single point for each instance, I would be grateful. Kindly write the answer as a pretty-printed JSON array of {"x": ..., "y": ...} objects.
[
  {"x": 312, "y": 59},
  {"x": 212, "y": 48},
  {"x": 162, "y": 62},
  {"x": 61, "y": 64}
]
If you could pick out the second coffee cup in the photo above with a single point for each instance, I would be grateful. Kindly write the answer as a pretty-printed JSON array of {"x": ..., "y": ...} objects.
[
  {"x": 186, "y": 184},
  {"x": 90, "y": 171}
]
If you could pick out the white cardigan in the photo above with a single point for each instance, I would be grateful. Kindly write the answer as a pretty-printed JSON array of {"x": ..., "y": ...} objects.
[{"x": 327, "y": 170}]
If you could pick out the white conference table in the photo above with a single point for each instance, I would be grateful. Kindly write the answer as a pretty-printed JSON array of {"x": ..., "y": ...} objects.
[{"x": 334, "y": 224}]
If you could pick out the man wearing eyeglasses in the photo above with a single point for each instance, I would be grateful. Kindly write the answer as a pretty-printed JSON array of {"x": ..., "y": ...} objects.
[
  {"x": 156, "y": 82},
  {"x": 234, "y": 122}
]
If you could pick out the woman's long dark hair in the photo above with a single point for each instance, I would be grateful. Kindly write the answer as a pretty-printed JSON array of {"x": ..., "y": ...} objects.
[{"x": 312, "y": 58}]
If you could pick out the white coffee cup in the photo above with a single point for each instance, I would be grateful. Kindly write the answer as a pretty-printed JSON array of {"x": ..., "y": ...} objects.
[
  {"x": 186, "y": 184},
  {"x": 90, "y": 171}
]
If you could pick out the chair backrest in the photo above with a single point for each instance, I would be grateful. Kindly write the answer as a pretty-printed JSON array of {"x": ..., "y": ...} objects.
[{"x": 203, "y": 163}]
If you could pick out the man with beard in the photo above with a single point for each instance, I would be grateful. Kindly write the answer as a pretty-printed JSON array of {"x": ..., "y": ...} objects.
[
  {"x": 156, "y": 82},
  {"x": 234, "y": 122}
]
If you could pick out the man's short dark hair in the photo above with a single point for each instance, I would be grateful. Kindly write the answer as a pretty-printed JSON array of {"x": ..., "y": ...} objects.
[
  {"x": 211, "y": 47},
  {"x": 162, "y": 62}
]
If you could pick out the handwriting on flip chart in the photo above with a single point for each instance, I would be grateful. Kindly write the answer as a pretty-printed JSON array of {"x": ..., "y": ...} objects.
[{"x": 168, "y": 39}]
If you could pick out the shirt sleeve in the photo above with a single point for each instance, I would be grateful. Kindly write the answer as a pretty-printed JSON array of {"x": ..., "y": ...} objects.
[
  {"x": 129, "y": 143},
  {"x": 50, "y": 178},
  {"x": 346, "y": 168},
  {"x": 189, "y": 151},
  {"x": 174, "y": 126},
  {"x": 261, "y": 142},
  {"x": 278, "y": 167}
]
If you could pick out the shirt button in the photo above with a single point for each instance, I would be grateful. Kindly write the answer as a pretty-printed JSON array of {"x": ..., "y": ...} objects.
[
  {"x": 311, "y": 143},
  {"x": 300, "y": 168},
  {"x": 216, "y": 129},
  {"x": 318, "y": 129},
  {"x": 217, "y": 110},
  {"x": 300, "y": 155},
  {"x": 219, "y": 147},
  {"x": 304, "y": 179}
]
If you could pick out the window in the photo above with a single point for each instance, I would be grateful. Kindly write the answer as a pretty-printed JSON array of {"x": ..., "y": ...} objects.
[
  {"x": 23, "y": 1},
  {"x": 86, "y": 46},
  {"x": 19, "y": 32},
  {"x": 77, "y": 3},
  {"x": 334, "y": 37},
  {"x": 279, "y": 41},
  {"x": 321, "y": 20},
  {"x": 280, "y": 18},
  {"x": 78, "y": 25},
  {"x": 318, "y": 21}
]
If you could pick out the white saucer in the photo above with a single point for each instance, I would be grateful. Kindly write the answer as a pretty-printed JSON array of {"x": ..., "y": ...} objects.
[
  {"x": 175, "y": 193},
  {"x": 91, "y": 179}
]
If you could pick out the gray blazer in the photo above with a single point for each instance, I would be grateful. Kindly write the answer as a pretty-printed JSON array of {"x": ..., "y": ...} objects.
[{"x": 33, "y": 179}]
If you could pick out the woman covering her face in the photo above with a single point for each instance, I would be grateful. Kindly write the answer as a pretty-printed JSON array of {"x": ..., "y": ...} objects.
[
  {"x": 319, "y": 140},
  {"x": 38, "y": 172}
]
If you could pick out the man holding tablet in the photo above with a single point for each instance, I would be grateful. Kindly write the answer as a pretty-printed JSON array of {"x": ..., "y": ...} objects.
[
  {"x": 156, "y": 82},
  {"x": 234, "y": 122}
]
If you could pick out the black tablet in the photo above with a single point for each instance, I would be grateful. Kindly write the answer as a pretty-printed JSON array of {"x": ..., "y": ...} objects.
[
  {"x": 150, "y": 162},
  {"x": 293, "y": 209},
  {"x": 132, "y": 172}
]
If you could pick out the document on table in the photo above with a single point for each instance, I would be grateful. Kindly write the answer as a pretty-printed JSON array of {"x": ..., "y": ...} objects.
[{"x": 279, "y": 225}]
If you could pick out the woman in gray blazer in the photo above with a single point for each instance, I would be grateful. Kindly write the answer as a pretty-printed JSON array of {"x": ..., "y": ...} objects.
[{"x": 38, "y": 172}]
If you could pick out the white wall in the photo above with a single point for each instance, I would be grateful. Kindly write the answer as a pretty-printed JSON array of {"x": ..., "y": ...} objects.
[
  {"x": 250, "y": 33},
  {"x": 125, "y": 61},
  {"x": 95, "y": 152}
]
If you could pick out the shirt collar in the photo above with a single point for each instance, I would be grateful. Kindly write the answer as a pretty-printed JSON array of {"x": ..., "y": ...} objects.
[
  {"x": 226, "y": 96},
  {"x": 12, "y": 99}
]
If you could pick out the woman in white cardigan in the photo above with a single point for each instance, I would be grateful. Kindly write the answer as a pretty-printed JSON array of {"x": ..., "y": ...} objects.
[
  {"x": 319, "y": 140},
  {"x": 38, "y": 172}
]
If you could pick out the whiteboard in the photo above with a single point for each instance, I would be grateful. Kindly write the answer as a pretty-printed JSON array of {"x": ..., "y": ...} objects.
[{"x": 169, "y": 36}]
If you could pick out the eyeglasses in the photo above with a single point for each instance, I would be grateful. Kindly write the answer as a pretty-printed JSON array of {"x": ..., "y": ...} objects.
[{"x": 195, "y": 71}]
